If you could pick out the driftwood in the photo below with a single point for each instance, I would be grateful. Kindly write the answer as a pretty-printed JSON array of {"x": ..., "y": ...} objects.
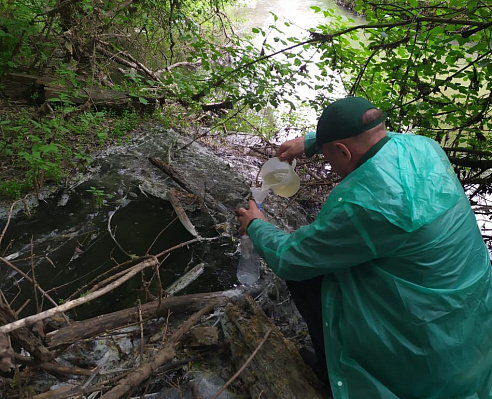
[
  {"x": 122, "y": 318},
  {"x": 277, "y": 371},
  {"x": 185, "y": 280},
  {"x": 38, "y": 89},
  {"x": 6, "y": 353},
  {"x": 24, "y": 336},
  {"x": 51, "y": 367},
  {"x": 250, "y": 359},
  {"x": 180, "y": 213},
  {"x": 165, "y": 354}
]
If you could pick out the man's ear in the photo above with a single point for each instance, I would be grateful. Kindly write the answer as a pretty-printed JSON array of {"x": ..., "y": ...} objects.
[{"x": 343, "y": 150}]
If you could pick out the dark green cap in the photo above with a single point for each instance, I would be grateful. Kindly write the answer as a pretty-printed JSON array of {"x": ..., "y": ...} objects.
[{"x": 343, "y": 118}]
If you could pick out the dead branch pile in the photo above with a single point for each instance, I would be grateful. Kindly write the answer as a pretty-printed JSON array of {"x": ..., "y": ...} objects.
[{"x": 264, "y": 362}]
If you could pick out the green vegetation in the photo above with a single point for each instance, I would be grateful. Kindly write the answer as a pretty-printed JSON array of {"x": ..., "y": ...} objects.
[
  {"x": 100, "y": 196},
  {"x": 428, "y": 64}
]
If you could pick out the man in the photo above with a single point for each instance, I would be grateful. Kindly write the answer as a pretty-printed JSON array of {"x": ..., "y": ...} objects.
[{"x": 395, "y": 259}]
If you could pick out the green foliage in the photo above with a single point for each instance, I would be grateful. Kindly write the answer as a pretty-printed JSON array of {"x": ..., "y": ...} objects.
[
  {"x": 428, "y": 64},
  {"x": 17, "y": 29},
  {"x": 100, "y": 196},
  {"x": 51, "y": 149}
]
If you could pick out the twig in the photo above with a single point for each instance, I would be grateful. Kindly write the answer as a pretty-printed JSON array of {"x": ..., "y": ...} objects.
[
  {"x": 140, "y": 322},
  {"x": 9, "y": 216},
  {"x": 183, "y": 244},
  {"x": 224, "y": 387},
  {"x": 79, "y": 301},
  {"x": 51, "y": 367},
  {"x": 34, "y": 283},
  {"x": 113, "y": 237},
  {"x": 163, "y": 253},
  {"x": 196, "y": 392},
  {"x": 45, "y": 294},
  {"x": 166, "y": 353}
]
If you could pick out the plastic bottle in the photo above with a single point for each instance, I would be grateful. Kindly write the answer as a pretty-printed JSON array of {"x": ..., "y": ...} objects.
[{"x": 248, "y": 269}]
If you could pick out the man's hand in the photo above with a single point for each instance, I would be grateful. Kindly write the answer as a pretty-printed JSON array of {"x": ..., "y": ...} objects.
[
  {"x": 245, "y": 216},
  {"x": 291, "y": 149}
]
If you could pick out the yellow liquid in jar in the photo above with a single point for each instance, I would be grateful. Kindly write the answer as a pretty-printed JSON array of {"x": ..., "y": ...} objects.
[{"x": 274, "y": 177}]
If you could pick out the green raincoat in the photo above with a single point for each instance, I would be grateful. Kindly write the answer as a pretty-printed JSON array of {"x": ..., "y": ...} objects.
[{"x": 407, "y": 292}]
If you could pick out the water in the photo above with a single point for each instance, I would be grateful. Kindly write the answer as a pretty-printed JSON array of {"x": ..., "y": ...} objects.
[
  {"x": 73, "y": 236},
  {"x": 274, "y": 178}
]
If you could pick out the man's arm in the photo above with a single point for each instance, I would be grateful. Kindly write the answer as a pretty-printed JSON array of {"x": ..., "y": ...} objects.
[
  {"x": 330, "y": 243},
  {"x": 294, "y": 148}
]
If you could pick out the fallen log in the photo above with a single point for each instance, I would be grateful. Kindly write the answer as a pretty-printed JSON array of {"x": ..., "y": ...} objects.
[
  {"x": 180, "y": 212},
  {"x": 92, "y": 327},
  {"x": 277, "y": 371},
  {"x": 165, "y": 354},
  {"x": 51, "y": 367},
  {"x": 24, "y": 336},
  {"x": 185, "y": 280},
  {"x": 182, "y": 181},
  {"x": 33, "y": 89}
]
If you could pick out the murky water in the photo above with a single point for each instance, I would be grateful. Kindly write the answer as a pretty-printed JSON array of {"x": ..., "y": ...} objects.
[
  {"x": 122, "y": 212},
  {"x": 297, "y": 13}
]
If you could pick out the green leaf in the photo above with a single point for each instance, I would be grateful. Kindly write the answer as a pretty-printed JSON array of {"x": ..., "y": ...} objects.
[{"x": 484, "y": 62}]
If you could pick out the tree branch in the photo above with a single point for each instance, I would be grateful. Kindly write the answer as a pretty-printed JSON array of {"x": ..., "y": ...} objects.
[
  {"x": 27, "y": 321},
  {"x": 322, "y": 38}
]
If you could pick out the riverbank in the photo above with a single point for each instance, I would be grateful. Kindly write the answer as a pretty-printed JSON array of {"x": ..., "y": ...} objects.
[{"x": 226, "y": 169}]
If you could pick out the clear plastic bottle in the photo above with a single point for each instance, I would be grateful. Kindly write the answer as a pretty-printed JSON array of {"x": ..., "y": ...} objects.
[{"x": 248, "y": 270}]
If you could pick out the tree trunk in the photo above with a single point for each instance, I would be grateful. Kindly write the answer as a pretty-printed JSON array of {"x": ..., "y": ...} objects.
[
  {"x": 25, "y": 337},
  {"x": 277, "y": 371},
  {"x": 34, "y": 89}
]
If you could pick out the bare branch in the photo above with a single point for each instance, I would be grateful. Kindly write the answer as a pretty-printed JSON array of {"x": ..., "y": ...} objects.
[{"x": 27, "y": 321}]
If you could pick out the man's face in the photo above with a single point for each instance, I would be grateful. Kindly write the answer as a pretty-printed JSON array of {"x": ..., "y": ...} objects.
[{"x": 338, "y": 156}]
